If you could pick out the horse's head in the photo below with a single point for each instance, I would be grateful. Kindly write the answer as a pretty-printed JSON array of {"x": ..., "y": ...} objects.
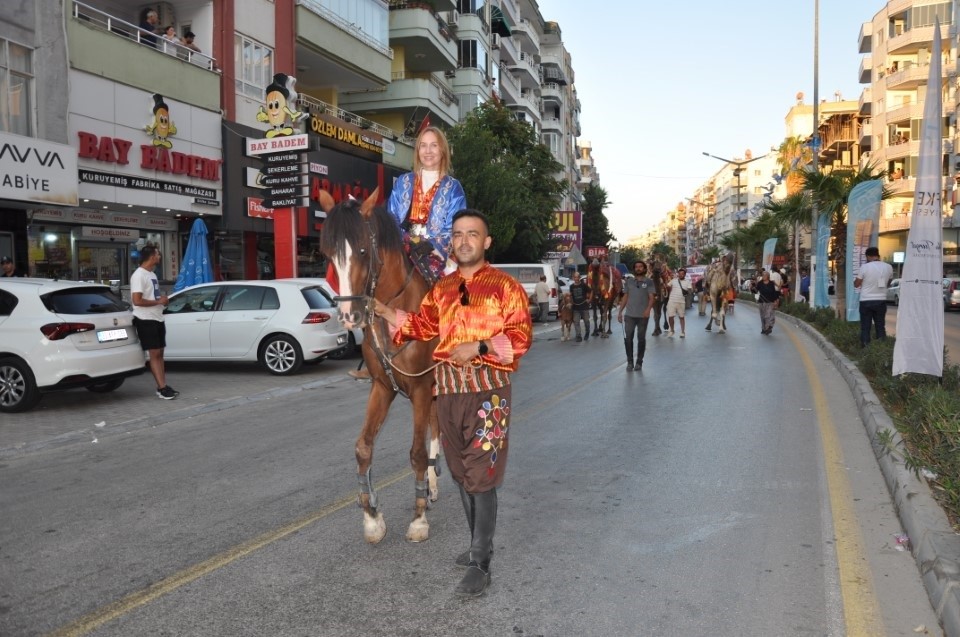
[{"x": 351, "y": 240}]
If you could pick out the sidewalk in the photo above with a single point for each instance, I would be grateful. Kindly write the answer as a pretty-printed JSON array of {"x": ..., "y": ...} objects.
[{"x": 77, "y": 415}]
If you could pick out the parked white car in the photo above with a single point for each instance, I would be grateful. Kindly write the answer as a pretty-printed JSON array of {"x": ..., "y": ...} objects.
[
  {"x": 281, "y": 324},
  {"x": 60, "y": 335}
]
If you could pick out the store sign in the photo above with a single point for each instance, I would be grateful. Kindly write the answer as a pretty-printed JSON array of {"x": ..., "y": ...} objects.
[
  {"x": 142, "y": 183},
  {"x": 255, "y": 208},
  {"x": 256, "y": 147},
  {"x": 37, "y": 170},
  {"x": 116, "y": 219},
  {"x": 336, "y": 133},
  {"x": 112, "y": 234},
  {"x": 116, "y": 151}
]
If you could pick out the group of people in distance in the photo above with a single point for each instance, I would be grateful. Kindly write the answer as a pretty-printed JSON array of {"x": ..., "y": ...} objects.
[{"x": 166, "y": 38}]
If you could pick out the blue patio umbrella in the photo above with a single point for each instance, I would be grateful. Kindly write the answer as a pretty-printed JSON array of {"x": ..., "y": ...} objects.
[{"x": 196, "y": 267}]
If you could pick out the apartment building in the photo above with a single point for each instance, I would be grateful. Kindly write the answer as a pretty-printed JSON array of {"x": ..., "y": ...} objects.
[
  {"x": 157, "y": 133},
  {"x": 896, "y": 46}
]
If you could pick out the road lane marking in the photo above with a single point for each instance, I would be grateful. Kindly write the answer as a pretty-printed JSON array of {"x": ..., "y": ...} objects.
[
  {"x": 101, "y": 616},
  {"x": 861, "y": 611}
]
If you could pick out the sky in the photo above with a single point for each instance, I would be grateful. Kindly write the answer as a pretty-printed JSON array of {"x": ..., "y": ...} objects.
[{"x": 660, "y": 82}]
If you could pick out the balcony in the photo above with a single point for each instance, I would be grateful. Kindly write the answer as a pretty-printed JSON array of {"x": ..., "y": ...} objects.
[
  {"x": 427, "y": 42},
  {"x": 551, "y": 92},
  {"x": 552, "y": 123},
  {"x": 104, "y": 45},
  {"x": 866, "y": 68},
  {"x": 915, "y": 40},
  {"x": 866, "y": 135},
  {"x": 865, "y": 106},
  {"x": 905, "y": 113},
  {"x": 527, "y": 35},
  {"x": 310, "y": 104},
  {"x": 509, "y": 51},
  {"x": 509, "y": 86},
  {"x": 907, "y": 76},
  {"x": 330, "y": 47},
  {"x": 405, "y": 94},
  {"x": 527, "y": 71},
  {"x": 866, "y": 37}
]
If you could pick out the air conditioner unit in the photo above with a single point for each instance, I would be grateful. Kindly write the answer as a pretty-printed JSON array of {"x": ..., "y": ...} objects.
[
  {"x": 453, "y": 18},
  {"x": 495, "y": 42}
]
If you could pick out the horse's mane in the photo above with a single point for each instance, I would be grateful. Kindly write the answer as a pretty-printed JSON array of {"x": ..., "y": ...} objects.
[{"x": 346, "y": 224}]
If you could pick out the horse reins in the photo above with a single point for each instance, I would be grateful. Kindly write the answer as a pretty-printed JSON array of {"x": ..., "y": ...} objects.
[{"x": 377, "y": 326}]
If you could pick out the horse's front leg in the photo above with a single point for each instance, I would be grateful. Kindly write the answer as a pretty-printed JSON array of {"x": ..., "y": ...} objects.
[
  {"x": 657, "y": 309},
  {"x": 374, "y": 527},
  {"x": 423, "y": 408}
]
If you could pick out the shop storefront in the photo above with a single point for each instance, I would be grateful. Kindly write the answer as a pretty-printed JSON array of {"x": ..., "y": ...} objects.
[
  {"x": 148, "y": 165},
  {"x": 34, "y": 174},
  {"x": 343, "y": 160}
]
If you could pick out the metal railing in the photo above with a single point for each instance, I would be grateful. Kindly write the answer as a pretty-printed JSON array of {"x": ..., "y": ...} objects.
[
  {"x": 313, "y": 105},
  {"x": 123, "y": 29}
]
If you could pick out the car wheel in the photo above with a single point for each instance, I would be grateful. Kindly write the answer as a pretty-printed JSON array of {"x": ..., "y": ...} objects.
[
  {"x": 347, "y": 351},
  {"x": 18, "y": 389},
  {"x": 281, "y": 355},
  {"x": 106, "y": 387}
]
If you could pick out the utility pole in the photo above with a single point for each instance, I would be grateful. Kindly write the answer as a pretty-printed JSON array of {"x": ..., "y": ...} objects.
[{"x": 737, "y": 172}]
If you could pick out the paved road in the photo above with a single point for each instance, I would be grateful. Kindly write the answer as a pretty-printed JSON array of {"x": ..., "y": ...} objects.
[{"x": 728, "y": 489}]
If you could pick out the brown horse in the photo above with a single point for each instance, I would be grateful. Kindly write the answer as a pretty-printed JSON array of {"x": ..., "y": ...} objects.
[
  {"x": 365, "y": 246},
  {"x": 605, "y": 284},
  {"x": 719, "y": 279}
]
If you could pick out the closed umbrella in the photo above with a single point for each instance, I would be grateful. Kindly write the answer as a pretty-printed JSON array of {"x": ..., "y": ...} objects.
[{"x": 196, "y": 267}]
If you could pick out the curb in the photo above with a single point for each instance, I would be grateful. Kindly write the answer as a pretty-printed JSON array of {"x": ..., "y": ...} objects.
[{"x": 936, "y": 547}]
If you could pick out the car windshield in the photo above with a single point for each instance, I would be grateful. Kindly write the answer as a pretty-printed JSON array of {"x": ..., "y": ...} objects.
[
  {"x": 317, "y": 298},
  {"x": 92, "y": 300}
]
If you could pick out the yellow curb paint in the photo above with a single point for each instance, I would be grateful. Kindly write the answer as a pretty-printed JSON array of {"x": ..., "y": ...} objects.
[
  {"x": 101, "y": 616},
  {"x": 861, "y": 612}
]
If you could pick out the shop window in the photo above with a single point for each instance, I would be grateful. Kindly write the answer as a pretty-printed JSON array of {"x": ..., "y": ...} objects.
[{"x": 16, "y": 89}]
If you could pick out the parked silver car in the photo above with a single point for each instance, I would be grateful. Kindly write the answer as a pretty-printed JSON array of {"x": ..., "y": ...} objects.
[{"x": 893, "y": 292}]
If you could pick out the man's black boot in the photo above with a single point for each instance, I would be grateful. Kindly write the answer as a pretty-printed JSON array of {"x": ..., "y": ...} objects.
[
  {"x": 477, "y": 577},
  {"x": 463, "y": 560}
]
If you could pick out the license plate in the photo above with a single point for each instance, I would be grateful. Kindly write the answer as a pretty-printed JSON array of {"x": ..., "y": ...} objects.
[{"x": 111, "y": 335}]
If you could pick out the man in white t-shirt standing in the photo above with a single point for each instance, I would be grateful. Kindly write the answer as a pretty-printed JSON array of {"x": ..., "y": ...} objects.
[
  {"x": 148, "y": 304},
  {"x": 872, "y": 282},
  {"x": 676, "y": 302}
]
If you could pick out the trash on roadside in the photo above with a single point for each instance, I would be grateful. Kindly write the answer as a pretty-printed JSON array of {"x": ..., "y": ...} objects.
[
  {"x": 806, "y": 409},
  {"x": 102, "y": 423},
  {"x": 903, "y": 541},
  {"x": 922, "y": 628},
  {"x": 94, "y": 441},
  {"x": 929, "y": 475}
]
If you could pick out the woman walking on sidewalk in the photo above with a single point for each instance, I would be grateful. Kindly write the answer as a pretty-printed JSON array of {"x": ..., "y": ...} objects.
[{"x": 768, "y": 299}]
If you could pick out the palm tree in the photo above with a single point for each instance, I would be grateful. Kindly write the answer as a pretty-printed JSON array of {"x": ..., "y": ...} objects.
[
  {"x": 830, "y": 192},
  {"x": 793, "y": 156},
  {"x": 748, "y": 241}
]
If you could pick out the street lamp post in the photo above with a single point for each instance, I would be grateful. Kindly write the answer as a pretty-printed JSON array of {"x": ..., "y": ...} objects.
[{"x": 737, "y": 171}]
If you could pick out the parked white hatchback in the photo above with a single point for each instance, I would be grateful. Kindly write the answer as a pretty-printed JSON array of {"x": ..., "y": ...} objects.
[
  {"x": 61, "y": 335},
  {"x": 281, "y": 324}
]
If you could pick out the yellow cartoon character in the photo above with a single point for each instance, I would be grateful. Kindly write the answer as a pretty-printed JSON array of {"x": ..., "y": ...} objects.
[
  {"x": 280, "y": 94},
  {"x": 161, "y": 128}
]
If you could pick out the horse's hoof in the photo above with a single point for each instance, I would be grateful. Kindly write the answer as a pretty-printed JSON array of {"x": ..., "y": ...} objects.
[
  {"x": 419, "y": 530},
  {"x": 374, "y": 528}
]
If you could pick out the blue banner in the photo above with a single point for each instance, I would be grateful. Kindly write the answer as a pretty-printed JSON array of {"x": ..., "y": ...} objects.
[
  {"x": 863, "y": 226},
  {"x": 820, "y": 296}
]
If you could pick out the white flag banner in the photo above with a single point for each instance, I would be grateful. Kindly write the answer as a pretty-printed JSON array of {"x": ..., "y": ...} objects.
[{"x": 919, "y": 346}]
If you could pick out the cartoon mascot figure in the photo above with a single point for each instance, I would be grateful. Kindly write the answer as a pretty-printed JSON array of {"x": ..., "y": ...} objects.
[
  {"x": 161, "y": 127},
  {"x": 280, "y": 94}
]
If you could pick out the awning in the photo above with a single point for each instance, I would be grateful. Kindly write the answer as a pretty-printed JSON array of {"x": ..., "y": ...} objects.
[{"x": 500, "y": 23}]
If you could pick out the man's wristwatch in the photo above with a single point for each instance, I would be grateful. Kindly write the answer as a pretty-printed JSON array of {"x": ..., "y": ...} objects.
[{"x": 482, "y": 348}]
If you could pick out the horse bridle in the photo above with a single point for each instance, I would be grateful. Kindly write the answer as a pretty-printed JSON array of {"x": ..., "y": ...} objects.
[{"x": 367, "y": 319}]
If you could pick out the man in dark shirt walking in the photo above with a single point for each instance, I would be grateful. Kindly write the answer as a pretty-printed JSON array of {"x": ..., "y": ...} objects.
[{"x": 580, "y": 297}]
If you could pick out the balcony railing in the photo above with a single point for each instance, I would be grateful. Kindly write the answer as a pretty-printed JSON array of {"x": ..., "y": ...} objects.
[
  {"x": 346, "y": 27},
  {"x": 122, "y": 29},
  {"x": 313, "y": 105}
]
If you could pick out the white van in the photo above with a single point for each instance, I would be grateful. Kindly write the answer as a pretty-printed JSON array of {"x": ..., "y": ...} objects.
[{"x": 528, "y": 274}]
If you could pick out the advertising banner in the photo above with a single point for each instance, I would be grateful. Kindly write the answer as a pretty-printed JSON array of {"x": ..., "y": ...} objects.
[
  {"x": 768, "y": 248},
  {"x": 919, "y": 345},
  {"x": 863, "y": 225}
]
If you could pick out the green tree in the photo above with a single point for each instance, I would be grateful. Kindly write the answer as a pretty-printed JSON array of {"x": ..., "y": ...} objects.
[
  {"x": 748, "y": 241},
  {"x": 596, "y": 226},
  {"x": 666, "y": 253},
  {"x": 708, "y": 255},
  {"x": 793, "y": 156},
  {"x": 508, "y": 175},
  {"x": 630, "y": 255}
]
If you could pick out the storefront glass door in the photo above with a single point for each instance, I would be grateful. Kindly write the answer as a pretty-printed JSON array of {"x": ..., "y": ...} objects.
[{"x": 103, "y": 263}]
